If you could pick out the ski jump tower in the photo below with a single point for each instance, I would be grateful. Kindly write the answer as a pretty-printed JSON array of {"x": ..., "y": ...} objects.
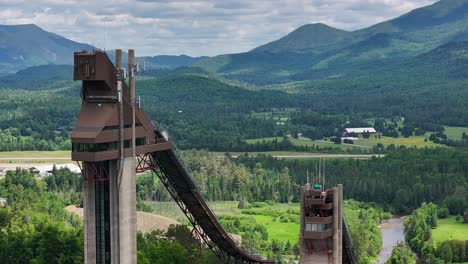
[
  {"x": 110, "y": 131},
  {"x": 321, "y": 230}
]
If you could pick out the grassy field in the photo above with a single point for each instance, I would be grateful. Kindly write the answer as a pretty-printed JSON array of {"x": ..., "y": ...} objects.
[
  {"x": 277, "y": 230},
  {"x": 362, "y": 143},
  {"x": 414, "y": 141},
  {"x": 33, "y": 157},
  {"x": 308, "y": 142},
  {"x": 35, "y": 154},
  {"x": 281, "y": 115},
  {"x": 455, "y": 133},
  {"x": 449, "y": 229}
]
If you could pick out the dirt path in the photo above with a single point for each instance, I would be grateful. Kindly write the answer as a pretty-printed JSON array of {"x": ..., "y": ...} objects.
[{"x": 146, "y": 222}]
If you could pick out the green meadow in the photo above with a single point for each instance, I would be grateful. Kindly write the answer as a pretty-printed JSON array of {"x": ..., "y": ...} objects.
[
  {"x": 362, "y": 143},
  {"x": 455, "y": 133},
  {"x": 449, "y": 229},
  {"x": 413, "y": 141}
]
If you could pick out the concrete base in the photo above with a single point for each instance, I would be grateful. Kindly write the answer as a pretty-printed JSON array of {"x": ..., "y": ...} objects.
[
  {"x": 114, "y": 211},
  {"x": 122, "y": 215},
  {"x": 90, "y": 222},
  {"x": 127, "y": 213}
]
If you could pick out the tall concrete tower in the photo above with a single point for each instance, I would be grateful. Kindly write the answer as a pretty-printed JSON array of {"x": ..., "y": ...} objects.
[{"x": 107, "y": 133}]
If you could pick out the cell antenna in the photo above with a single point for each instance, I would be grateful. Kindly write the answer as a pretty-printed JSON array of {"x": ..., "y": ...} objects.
[{"x": 324, "y": 165}]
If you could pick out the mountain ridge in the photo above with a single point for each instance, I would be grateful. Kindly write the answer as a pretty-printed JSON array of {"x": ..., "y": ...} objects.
[
  {"x": 390, "y": 42},
  {"x": 23, "y": 46},
  {"x": 27, "y": 45},
  {"x": 304, "y": 38}
]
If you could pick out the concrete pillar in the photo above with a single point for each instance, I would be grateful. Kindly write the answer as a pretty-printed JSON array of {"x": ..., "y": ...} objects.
[
  {"x": 127, "y": 214},
  {"x": 114, "y": 211},
  {"x": 127, "y": 188},
  {"x": 340, "y": 223},
  {"x": 131, "y": 84},
  {"x": 336, "y": 244},
  {"x": 89, "y": 221},
  {"x": 302, "y": 226},
  {"x": 118, "y": 58}
]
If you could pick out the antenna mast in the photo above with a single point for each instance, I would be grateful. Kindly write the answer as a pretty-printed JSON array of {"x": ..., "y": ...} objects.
[{"x": 324, "y": 174}]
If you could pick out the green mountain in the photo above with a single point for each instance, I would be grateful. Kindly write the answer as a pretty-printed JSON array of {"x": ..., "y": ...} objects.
[
  {"x": 160, "y": 61},
  {"x": 23, "y": 46},
  {"x": 307, "y": 38},
  {"x": 38, "y": 77},
  {"x": 318, "y": 51}
]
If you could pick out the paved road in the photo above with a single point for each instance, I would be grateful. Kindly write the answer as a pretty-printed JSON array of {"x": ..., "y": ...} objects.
[
  {"x": 35, "y": 158},
  {"x": 318, "y": 155},
  {"x": 286, "y": 156}
]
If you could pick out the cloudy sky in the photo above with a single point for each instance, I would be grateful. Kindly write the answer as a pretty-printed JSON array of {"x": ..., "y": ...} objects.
[{"x": 198, "y": 27}]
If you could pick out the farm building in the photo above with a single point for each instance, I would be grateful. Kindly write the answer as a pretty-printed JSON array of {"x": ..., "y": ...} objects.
[{"x": 358, "y": 131}]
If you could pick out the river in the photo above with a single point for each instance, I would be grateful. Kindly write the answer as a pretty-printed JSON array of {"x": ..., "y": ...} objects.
[{"x": 392, "y": 233}]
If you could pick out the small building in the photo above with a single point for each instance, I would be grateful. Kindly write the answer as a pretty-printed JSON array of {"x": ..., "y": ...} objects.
[
  {"x": 350, "y": 138},
  {"x": 358, "y": 131},
  {"x": 3, "y": 202},
  {"x": 34, "y": 170}
]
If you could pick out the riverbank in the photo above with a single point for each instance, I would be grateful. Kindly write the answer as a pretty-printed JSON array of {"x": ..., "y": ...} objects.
[{"x": 392, "y": 233}]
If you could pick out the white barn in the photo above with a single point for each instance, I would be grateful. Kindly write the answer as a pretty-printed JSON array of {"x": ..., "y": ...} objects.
[{"x": 359, "y": 130}]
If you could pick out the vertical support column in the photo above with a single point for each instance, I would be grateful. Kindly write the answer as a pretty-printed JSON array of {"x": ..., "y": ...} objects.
[
  {"x": 89, "y": 221},
  {"x": 114, "y": 211},
  {"x": 127, "y": 188},
  {"x": 340, "y": 223},
  {"x": 302, "y": 227},
  {"x": 335, "y": 225},
  {"x": 131, "y": 81},
  {"x": 115, "y": 170}
]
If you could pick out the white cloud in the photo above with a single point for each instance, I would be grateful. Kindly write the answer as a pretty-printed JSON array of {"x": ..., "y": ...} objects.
[{"x": 199, "y": 27}]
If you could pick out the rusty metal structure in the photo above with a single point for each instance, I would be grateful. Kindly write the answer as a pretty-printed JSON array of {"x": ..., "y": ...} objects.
[{"x": 113, "y": 139}]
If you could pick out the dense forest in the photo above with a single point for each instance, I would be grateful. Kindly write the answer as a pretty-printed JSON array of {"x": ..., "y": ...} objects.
[
  {"x": 181, "y": 104},
  {"x": 33, "y": 203},
  {"x": 36, "y": 228},
  {"x": 400, "y": 181}
]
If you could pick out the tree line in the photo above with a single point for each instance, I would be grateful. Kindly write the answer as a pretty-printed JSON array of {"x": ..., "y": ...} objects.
[
  {"x": 418, "y": 228},
  {"x": 400, "y": 181}
]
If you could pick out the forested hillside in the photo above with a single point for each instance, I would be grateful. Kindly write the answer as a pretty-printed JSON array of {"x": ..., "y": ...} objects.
[
  {"x": 23, "y": 46},
  {"x": 318, "y": 51},
  {"x": 202, "y": 112}
]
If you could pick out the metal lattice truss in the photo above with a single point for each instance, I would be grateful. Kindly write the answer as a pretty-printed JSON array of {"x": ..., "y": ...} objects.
[
  {"x": 94, "y": 171},
  {"x": 144, "y": 163}
]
